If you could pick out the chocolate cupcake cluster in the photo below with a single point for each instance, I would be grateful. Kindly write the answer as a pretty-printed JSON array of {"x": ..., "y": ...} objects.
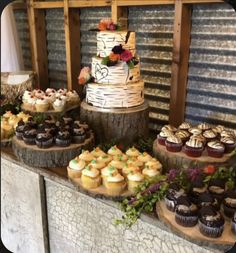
[
  {"x": 193, "y": 140},
  {"x": 205, "y": 205},
  {"x": 60, "y": 133}
]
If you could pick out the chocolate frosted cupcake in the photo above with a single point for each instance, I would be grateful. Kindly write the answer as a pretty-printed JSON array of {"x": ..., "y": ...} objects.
[
  {"x": 233, "y": 224},
  {"x": 204, "y": 126},
  {"x": 44, "y": 140},
  {"x": 209, "y": 135},
  {"x": 229, "y": 143},
  {"x": 215, "y": 149},
  {"x": 63, "y": 138},
  {"x": 198, "y": 187},
  {"x": 193, "y": 147},
  {"x": 67, "y": 120},
  {"x": 211, "y": 222},
  {"x": 169, "y": 128},
  {"x": 217, "y": 188},
  {"x": 183, "y": 135},
  {"x": 173, "y": 193},
  {"x": 86, "y": 128},
  {"x": 229, "y": 203},
  {"x": 186, "y": 213},
  {"x": 185, "y": 126},
  {"x": 20, "y": 129},
  {"x": 78, "y": 134},
  {"x": 161, "y": 137},
  {"x": 173, "y": 143},
  {"x": 29, "y": 136},
  {"x": 206, "y": 199}
]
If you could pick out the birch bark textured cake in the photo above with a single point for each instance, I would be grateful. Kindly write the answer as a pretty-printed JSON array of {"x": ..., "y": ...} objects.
[{"x": 116, "y": 72}]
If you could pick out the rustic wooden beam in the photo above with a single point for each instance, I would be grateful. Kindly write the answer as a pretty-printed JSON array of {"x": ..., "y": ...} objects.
[
  {"x": 89, "y": 3},
  {"x": 38, "y": 44},
  {"x": 48, "y": 5},
  {"x": 180, "y": 59},
  {"x": 119, "y": 14},
  {"x": 18, "y": 5},
  {"x": 143, "y": 2},
  {"x": 201, "y": 1}
]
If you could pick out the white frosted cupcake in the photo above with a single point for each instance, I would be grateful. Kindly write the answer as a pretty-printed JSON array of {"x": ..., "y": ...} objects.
[
  {"x": 41, "y": 105},
  {"x": 135, "y": 162},
  {"x": 50, "y": 91},
  {"x": 59, "y": 105},
  {"x": 121, "y": 157},
  {"x": 105, "y": 158},
  {"x": 117, "y": 164},
  {"x": 114, "y": 151},
  {"x": 73, "y": 98},
  {"x": 30, "y": 104},
  {"x": 90, "y": 178},
  {"x": 38, "y": 93},
  {"x": 153, "y": 164},
  {"x": 75, "y": 168},
  {"x": 144, "y": 157},
  {"x": 132, "y": 152},
  {"x": 97, "y": 152},
  {"x": 26, "y": 95},
  {"x": 106, "y": 172},
  {"x": 86, "y": 156},
  {"x": 115, "y": 184},
  {"x": 97, "y": 164},
  {"x": 134, "y": 180},
  {"x": 129, "y": 169},
  {"x": 150, "y": 173}
]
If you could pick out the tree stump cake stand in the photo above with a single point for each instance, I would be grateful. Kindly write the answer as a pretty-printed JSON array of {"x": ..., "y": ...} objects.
[{"x": 123, "y": 125}]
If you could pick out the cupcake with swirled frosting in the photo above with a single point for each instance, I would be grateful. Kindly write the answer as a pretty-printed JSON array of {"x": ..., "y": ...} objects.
[
  {"x": 75, "y": 167},
  {"x": 132, "y": 152},
  {"x": 169, "y": 128},
  {"x": 150, "y": 173},
  {"x": 90, "y": 178},
  {"x": 229, "y": 203},
  {"x": 185, "y": 126},
  {"x": 115, "y": 184},
  {"x": 218, "y": 129},
  {"x": 229, "y": 144},
  {"x": 86, "y": 156},
  {"x": 97, "y": 152},
  {"x": 97, "y": 164},
  {"x": 153, "y": 164},
  {"x": 122, "y": 158},
  {"x": 129, "y": 169},
  {"x": 161, "y": 137},
  {"x": 119, "y": 165},
  {"x": 114, "y": 151},
  {"x": 204, "y": 126},
  {"x": 227, "y": 133},
  {"x": 210, "y": 135},
  {"x": 144, "y": 157},
  {"x": 233, "y": 224},
  {"x": 105, "y": 158},
  {"x": 183, "y": 135},
  {"x": 193, "y": 148},
  {"x": 173, "y": 143},
  {"x": 135, "y": 162},
  {"x": 199, "y": 137},
  {"x": 215, "y": 149},
  {"x": 195, "y": 130},
  {"x": 106, "y": 172},
  {"x": 134, "y": 180}
]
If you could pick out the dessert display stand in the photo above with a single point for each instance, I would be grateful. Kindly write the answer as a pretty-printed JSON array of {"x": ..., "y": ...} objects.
[
  {"x": 49, "y": 157},
  {"x": 122, "y": 125},
  {"x": 176, "y": 160},
  {"x": 192, "y": 233}
]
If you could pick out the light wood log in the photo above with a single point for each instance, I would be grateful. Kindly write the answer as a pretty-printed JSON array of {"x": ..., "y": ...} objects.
[
  {"x": 122, "y": 125},
  {"x": 50, "y": 157}
]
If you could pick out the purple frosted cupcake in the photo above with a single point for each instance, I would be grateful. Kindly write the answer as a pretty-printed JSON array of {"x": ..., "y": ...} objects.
[
  {"x": 211, "y": 222},
  {"x": 229, "y": 143},
  {"x": 233, "y": 227},
  {"x": 229, "y": 203},
  {"x": 193, "y": 148},
  {"x": 215, "y": 149},
  {"x": 173, "y": 143},
  {"x": 186, "y": 213},
  {"x": 161, "y": 137}
]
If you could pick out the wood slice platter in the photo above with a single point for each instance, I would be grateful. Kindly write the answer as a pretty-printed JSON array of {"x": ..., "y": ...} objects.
[
  {"x": 5, "y": 143},
  {"x": 193, "y": 234},
  {"x": 51, "y": 157},
  {"x": 181, "y": 160},
  {"x": 100, "y": 191},
  {"x": 123, "y": 125},
  {"x": 49, "y": 112}
]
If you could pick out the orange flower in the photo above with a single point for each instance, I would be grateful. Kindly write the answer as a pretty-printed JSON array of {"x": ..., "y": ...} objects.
[
  {"x": 102, "y": 26},
  {"x": 82, "y": 80},
  {"x": 114, "y": 57},
  {"x": 209, "y": 169}
]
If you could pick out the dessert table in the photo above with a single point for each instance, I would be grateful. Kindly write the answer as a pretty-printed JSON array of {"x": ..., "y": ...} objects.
[{"x": 43, "y": 211}]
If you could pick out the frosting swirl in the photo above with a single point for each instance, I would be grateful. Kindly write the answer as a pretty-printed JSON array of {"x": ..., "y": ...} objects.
[
  {"x": 77, "y": 165},
  {"x": 174, "y": 139},
  {"x": 116, "y": 177},
  {"x": 90, "y": 172},
  {"x": 86, "y": 156},
  {"x": 185, "y": 126},
  {"x": 215, "y": 145},
  {"x": 209, "y": 134},
  {"x": 132, "y": 152},
  {"x": 195, "y": 143},
  {"x": 114, "y": 151},
  {"x": 137, "y": 177}
]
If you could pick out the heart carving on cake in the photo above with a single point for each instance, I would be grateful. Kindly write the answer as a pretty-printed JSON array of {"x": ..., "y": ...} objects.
[{"x": 100, "y": 72}]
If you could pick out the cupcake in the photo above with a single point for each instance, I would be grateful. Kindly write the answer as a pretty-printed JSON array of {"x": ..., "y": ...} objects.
[
  {"x": 161, "y": 137},
  {"x": 97, "y": 164},
  {"x": 25, "y": 96},
  {"x": 75, "y": 167},
  {"x": 21, "y": 127},
  {"x": 211, "y": 222},
  {"x": 206, "y": 199},
  {"x": 105, "y": 158},
  {"x": 85, "y": 126},
  {"x": 59, "y": 105},
  {"x": 217, "y": 188},
  {"x": 69, "y": 121},
  {"x": 150, "y": 173},
  {"x": 183, "y": 135},
  {"x": 144, "y": 157},
  {"x": 29, "y": 136},
  {"x": 135, "y": 162},
  {"x": 78, "y": 134},
  {"x": 13, "y": 120},
  {"x": 186, "y": 213},
  {"x": 115, "y": 184},
  {"x": 114, "y": 151},
  {"x": 8, "y": 130},
  {"x": 198, "y": 137},
  {"x": 41, "y": 105},
  {"x": 97, "y": 152},
  {"x": 30, "y": 104},
  {"x": 119, "y": 165},
  {"x": 174, "y": 192},
  {"x": 193, "y": 148},
  {"x": 169, "y": 128},
  {"x": 63, "y": 138},
  {"x": 73, "y": 98},
  {"x": 90, "y": 178},
  {"x": 134, "y": 180},
  {"x": 122, "y": 158},
  {"x": 227, "y": 133},
  {"x": 38, "y": 93},
  {"x": 215, "y": 149},
  {"x": 218, "y": 129},
  {"x": 185, "y": 126},
  {"x": 129, "y": 169},
  {"x": 229, "y": 143},
  {"x": 204, "y": 126},
  {"x": 229, "y": 203},
  {"x": 132, "y": 152},
  {"x": 233, "y": 224},
  {"x": 173, "y": 143},
  {"x": 50, "y": 90},
  {"x": 86, "y": 156},
  {"x": 153, "y": 164},
  {"x": 106, "y": 172},
  {"x": 197, "y": 187},
  {"x": 44, "y": 140},
  {"x": 209, "y": 135}
]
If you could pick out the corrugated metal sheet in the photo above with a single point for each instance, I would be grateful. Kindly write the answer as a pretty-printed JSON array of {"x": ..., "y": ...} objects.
[
  {"x": 23, "y": 32},
  {"x": 211, "y": 93},
  {"x": 56, "y": 48},
  {"x": 154, "y": 38}
]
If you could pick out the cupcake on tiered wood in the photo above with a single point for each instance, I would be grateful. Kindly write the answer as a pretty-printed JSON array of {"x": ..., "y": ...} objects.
[
  {"x": 90, "y": 178},
  {"x": 229, "y": 203},
  {"x": 233, "y": 224},
  {"x": 173, "y": 143}
]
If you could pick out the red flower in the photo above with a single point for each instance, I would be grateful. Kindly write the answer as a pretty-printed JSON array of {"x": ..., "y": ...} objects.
[
  {"x": 209, "y": 169},
  {"x": 126, "y": 56},
  {"x": 112, "y": 27}
]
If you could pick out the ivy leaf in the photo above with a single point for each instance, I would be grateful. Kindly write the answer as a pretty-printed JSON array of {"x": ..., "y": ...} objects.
[{"x": 105, "y": 60}]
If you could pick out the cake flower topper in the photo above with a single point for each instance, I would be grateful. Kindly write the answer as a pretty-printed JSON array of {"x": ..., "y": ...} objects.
[
  {"x": 118, "y": 53},
  {"x": 84, "y": 76},
  {"x": 107, "y": 24}
]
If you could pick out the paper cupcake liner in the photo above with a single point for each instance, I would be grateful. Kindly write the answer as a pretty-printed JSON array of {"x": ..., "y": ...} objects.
[
  {"x": 62, "y": 143},
  {"x": 229, "y": 211},
  {"x": 44, "y": 144},
  {"x": 213, "y": 232},
  {"x": 170, "y": 204},
  {"x": 233, "y": 227},
  {"x": 186, "y": 221}
]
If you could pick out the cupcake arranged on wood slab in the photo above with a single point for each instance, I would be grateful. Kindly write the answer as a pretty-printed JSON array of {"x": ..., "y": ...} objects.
[
  {"x": 215, "y": 149},
  {"x": 186, "y": 213},
  {"x": 144, "y": 157},
  {"x": 183, "y": 135},
  {"x": 204, "y": 126},
  {"x": 97, "y": 164},
  {"x": 211, "y": 222},
  {"x": 29, "y": 136},
  {"x": 197, "y": 187},
  {"x": 75, "y": 167},
  {"x": 195, "y": 130},
  {"x": 86, "y": 156},
  {"x": 114, "y": 151},
  {"x": 134, "y": 180},
  {"x": 44, "y": 140},
  {"x": 90, "y": 178},
  {"x": 97, "y": 152},
  {"x": 133, "y": 161},
  {"x": 229, "y": 203},
  {"x": 233, "y": 224},
  {"x": 59, "y": 105},
  {"x": 78, "y": 134},
  {"x": 105, "y": 158},
  {"x": 132, "y": 152},
  {"x": 185, "y": 126},
  {"x": 161, "y": 137},
  {"x": 173, "y": 143},
  {"x": 209, "y": 135},
  {"x": 151, "y": 172},
  {"x": 106, "y": 172},
  {"x": 169, "y": 128},
  {"x": 115, "y": 184},
  {"x": 63, "y": 138},
  {"x": 119, "y": 165},
  {"x": 216, "y": 188},
  {"x": 205, "y": 199},
  {"x": 193, "y": 147},
  {"x": 229, "y": 143},
  {"x": 41, "y": 105}
]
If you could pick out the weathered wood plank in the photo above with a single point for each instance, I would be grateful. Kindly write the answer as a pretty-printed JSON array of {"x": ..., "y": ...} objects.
[
  {"x": 141, "y": 2},
  {"x": 89, "y": 3},
  {"x": 48, "y": 5},
  {"x": 119, "y": 14}
]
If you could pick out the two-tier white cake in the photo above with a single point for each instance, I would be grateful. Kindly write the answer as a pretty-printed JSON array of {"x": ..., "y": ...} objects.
[{"x": 117, "y": 86}]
